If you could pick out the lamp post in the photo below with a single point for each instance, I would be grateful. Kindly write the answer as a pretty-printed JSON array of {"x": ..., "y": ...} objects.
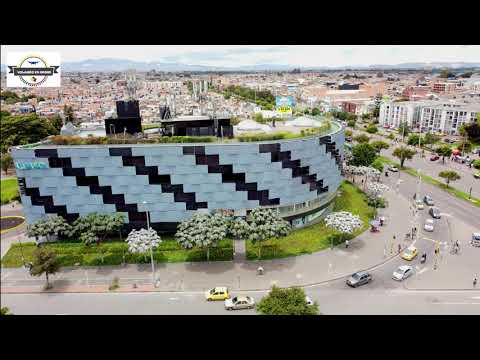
[{"x": 151, "y": 248}]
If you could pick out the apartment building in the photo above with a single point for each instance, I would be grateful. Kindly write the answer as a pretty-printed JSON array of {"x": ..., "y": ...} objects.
[
  {"x": 447, "y": 118},
  {"x": 393, "y": 113},
  {"x": 429, "y": 116}
]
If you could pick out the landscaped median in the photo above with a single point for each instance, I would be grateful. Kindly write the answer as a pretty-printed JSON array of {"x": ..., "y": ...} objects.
[
  {"x": 428, "y": 179},
  {"x": 9, "y": 190},
  {"x": 315, "y": 237},
  {"x": 116, "y": 253}
]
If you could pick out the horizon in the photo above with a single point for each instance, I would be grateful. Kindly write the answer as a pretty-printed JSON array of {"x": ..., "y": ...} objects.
[{"x": 238, "y": 56}]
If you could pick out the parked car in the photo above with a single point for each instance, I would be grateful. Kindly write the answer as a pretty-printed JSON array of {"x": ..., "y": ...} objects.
[
  {"x": 475, "y": 239},
  {"x": 393, "y": 168},
  {"x": 434, "y": 157},
  {"x": 410, "y": 253},
  {"x": 419, "y": 204},
  {"x": 217, "y": 293},
  {"x": 429, "y": 225},
  {"x": 428, "y": 200},
  {"x": 477, "y": 175},
  {"x": 402, "y": 272},
  {"x": 435, "y": 212},
  {"x": 359, "y": 278},
  {"x": 240, "y": 302},
  {"x": 308, "y": 300}
]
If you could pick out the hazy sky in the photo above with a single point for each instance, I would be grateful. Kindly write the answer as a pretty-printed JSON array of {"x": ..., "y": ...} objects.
[{"x": 241, "y": 55}]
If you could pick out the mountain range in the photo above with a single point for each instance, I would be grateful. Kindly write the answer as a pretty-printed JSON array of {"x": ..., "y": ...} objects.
[{"x": 112, "y": 65}]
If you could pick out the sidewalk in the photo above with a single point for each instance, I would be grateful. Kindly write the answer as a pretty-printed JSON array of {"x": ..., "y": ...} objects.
[{"x": 365, "y": 252}]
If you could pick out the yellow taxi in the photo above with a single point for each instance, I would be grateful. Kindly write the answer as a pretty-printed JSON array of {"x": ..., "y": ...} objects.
[
  {"x": 217, "y": 293},
  {"x": 410, "y": 253}
]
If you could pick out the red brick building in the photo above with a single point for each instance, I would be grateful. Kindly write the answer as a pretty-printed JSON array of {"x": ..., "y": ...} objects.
[{"x": 349, "y": 107}]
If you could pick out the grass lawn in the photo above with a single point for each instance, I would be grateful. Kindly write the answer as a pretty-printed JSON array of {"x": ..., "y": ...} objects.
[
  {"x": 315, "y": 237},
  {"x": 428, "y": 179},
  {"x": 150, "y": 126},
  {"x": 113, "y": 252},
  {"x": 9, "y": 190}
]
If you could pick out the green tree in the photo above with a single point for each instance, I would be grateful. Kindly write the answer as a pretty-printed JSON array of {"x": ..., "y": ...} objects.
[
  {"x": 430, "y": 139},
  {"x": 315, "y": 111},
  {"x": 378, "y": 103},
  {"x": 403, "y": 130},
  {"x": 449, "y": 175},
  {"x": 259, "y": 117},
  {"x": 379, "y": 145},
  {"x": 465, "y": 146},
  {"x": 96, "y": 227},
  {"x": 5, "y": 311},
  {"x": 444, "y": 151},
  {"x": 403, "y": 153},
  {"x": 69, "y": 114},
  {"x": 50, "y": 226},
  {"x": 291, "y": 301},
  {"x": 377, "y": 164},
  {"x": 361, "y": 139},
  {"x": 6, "y": 162},
  {"x": 45, "y": 261},
  {"x": 476, "y": 164},
  {"x": 413, "y": 140},
  {"x": 24, "y": 129},
  {"x": 363, "y": 155},
  {"x": 348, "y": 133},
  {"x": 57, "y": 122},
  {"x": 372, "y": 129},
  {"x": 351, "y": 123}
]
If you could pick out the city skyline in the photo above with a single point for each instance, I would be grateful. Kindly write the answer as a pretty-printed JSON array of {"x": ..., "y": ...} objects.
[{"x": 252, "y": 55}]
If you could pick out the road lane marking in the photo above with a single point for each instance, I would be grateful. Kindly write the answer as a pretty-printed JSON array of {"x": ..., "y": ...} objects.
[
  {"x": 423, "y": 270},
  {"x": 173, "y": 298},
  {"x": 456, "y": 303}
]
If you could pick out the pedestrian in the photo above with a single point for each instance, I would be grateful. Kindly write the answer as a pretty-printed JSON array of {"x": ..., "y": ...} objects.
[
  {"x": 347, "y": 243},
  {"x": 475, "y": 281},
  {"x": 394, "y": 238},
  {"x": 399, "y": 248}
]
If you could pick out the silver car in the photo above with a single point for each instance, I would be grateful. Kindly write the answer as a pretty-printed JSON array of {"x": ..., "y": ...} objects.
[
  {"x": 240, "y": 302},
  {"x": 429, "y": 225},
  {"x": 402, "y": 272}
]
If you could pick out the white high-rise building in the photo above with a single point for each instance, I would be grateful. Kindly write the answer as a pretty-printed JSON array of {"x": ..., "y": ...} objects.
[{"x": 429, "y": 116}]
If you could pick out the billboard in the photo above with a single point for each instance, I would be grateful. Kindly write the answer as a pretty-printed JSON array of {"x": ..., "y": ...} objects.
[{"x": 284, "y": 104}]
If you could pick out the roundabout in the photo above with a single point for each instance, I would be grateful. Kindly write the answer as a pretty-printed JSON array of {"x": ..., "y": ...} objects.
[{"x": 8, "y": 223}]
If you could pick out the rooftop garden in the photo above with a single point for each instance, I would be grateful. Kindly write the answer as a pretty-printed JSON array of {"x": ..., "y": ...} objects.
[{"x": 280, "y": 133}]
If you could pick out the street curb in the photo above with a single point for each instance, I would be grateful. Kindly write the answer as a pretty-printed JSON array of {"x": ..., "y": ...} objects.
[{"x": 11, "y": 290}]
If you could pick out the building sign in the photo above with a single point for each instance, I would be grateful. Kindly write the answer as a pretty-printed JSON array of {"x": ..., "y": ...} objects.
[
  {"x": 39, "y": 69},
  {"x": 30, "y": 165},
  {"x": 284, "y": 104}
]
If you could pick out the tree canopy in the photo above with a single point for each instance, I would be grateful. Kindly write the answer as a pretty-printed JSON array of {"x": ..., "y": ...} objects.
[
  {"x": 45, "y": 261},
  {"x": 363, "y": 155},
  {"x": 403, "y": 153},
  {"x": 449, "y": 175},
  {"x": 290, "y": 301}
]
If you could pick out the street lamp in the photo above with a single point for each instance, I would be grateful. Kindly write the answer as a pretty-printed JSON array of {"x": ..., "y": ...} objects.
[{"x": 151, "y": 247}]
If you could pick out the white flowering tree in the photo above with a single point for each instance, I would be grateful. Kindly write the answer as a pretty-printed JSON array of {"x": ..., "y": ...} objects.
[
  {"x": 202, "y": 230},
  {"x": 369, "y": 172},
  {"x": 343, "y": 222},
  {"x": 143, "y": 241},
  {"x": 374, "y": 192},
  {"x": 261, "y": 225},
  {"x": 52, "y": 225}
]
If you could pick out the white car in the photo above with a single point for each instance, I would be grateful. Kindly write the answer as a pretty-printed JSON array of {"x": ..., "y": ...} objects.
[
  {"x": 419, "y": 204},
  {"x": 308, "y": 300},
  {"x": 402, "y": 272},
  {"x": 240, "y": 302},
  {"x": 429, "y": 225},
  {"x": 393, "y": 168},
  {"x": 476, "y": 239}
]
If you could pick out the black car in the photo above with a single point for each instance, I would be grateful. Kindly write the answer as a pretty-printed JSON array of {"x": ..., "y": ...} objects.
[
  {"x": 359, "y": 278},
  {"x": 435, "y": 212}
]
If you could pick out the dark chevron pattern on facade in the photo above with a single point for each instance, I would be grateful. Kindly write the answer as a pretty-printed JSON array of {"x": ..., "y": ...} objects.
[
  {"x": 285, "y": 157},
  {"x": 92, "y": 182},
  {"x": 136, "y": 219},
  {"x": 155, "y": 179},
  {"x": 331, "y": 148},
  {"x": 228, "y": 176}
]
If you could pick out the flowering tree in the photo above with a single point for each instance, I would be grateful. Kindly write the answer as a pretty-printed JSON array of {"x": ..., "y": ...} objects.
[
  {"x": 52, "y": 225},
  {"x": 98, "y": 224},
  {"x": 142, "y": 241},
  {"x": 369, "y": 172},
  {"x": 202, "y": 230},
  {"x": 343, "y": 222},
  {"x": 374, "y": 192},
  {"x": 261, "y": 225}
]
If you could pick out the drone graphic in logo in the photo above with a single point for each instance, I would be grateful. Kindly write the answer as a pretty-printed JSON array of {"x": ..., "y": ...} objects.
[{"x": 33, "y": 70}]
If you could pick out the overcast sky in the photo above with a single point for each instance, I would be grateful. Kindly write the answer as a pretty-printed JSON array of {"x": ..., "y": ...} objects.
[{"x": 241, "y": 55}]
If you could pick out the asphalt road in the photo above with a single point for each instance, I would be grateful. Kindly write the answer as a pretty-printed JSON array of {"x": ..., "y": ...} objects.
[{"x": 432, "y": 168}]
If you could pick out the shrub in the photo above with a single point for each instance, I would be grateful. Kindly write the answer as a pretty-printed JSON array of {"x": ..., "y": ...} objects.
[
  {"x": 372, "y": 129},
  {"x": 115, "y": 285},
  {"x": 476, "y": 164}
]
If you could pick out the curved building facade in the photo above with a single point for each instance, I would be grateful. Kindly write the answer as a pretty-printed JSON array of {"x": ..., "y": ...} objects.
[{"x": 298, "y": 177}]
